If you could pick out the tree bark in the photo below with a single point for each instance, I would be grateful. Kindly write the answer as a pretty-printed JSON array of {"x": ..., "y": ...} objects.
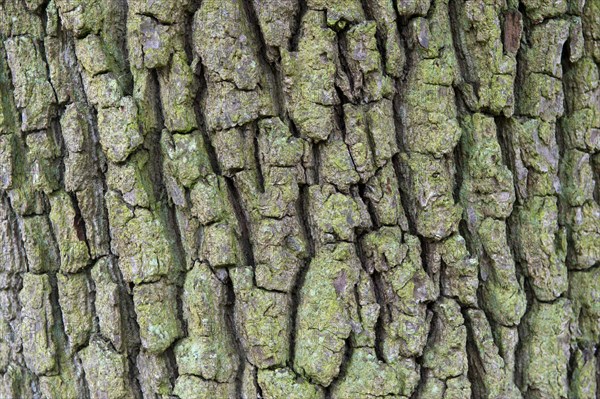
[{"x": 299, "y": 199}]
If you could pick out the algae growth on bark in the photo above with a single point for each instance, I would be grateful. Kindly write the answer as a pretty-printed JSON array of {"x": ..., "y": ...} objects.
[{"x": 299, "y": 199}]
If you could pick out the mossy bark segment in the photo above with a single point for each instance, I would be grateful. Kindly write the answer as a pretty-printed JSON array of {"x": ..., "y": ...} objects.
[{"x": 286, "y": 199}]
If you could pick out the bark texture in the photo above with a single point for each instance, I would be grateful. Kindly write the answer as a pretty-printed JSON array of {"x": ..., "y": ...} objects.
[{"x": 299, "y": 199}]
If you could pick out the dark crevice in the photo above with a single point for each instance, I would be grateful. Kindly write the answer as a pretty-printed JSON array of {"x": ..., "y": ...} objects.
[
  {"x": 231, "y": 326},
  {"x": 302, "y": 211},
  {"x": 295, "y": 38}
]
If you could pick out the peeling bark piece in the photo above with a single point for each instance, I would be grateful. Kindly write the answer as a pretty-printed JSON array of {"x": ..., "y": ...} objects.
[
  {"x": 262, "y": 317},
  {"x": 119, "y": 131},
  {"x": 33, "y": 93},
  {"x": 544, "y": 354},
  {"x": 368, "y": 377},
  {"x": 66, "y": 224},
  {"x": 156, "y": 310},
  {"x": 74, "y": 298},
  {"x": 106, "y": 372},
  {"x": 209, "y": 350},
  {"x": 40, "y": 247},
  {"x": 327, "y": 313},
  {"x": 37, "y": 325},
  {"x": 284, "y": 383}
]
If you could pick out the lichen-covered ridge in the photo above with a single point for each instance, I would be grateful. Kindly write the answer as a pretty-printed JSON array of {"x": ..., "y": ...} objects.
[{"x": 279, "y": 199}]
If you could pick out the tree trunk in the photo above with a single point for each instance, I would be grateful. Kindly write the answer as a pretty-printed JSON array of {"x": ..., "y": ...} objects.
[{"x": 299, "y": 199}]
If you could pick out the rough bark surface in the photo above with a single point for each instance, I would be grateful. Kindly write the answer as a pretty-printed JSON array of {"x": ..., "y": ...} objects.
[{"x": 299, "y": 199}]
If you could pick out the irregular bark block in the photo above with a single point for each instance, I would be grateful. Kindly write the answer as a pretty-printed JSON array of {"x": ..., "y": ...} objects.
[
  {"x": 237, "y": 86},
  {"x": 192, "y": 387},
  {"x": 106, "y": 372},
  {"x": 309, "y": 78},
  {"x": 40, "y": 247},
  {"x": 494, "y": 377},
  {"x": 279, "y": 254},
  {"x": 110, "y": 304},
  {"x": 460, "y": 276},
  {"x": 177, "y": 92},
  {"x": 33, "y": 93},
  {"x": 339, "y": 13},
  {"x": 74, "y": 294},
  {"x": 66, "y": 222},
  {"x": 544, "y": 354},
  {"x": 263, "y": 319},
  {"x": 335, "y": 215},
  {"x": 140, "y": 240},
  {"x": 365, "y": 64},
  {"x": 119, "y": 130},
  {"x": 37, "y": 325},
  {"x": 209, "y": 349},
  {"x": 327, "y": 313},
  {"x": 584, "y": 292},
  {"x": 405, "y": 290},
  {"x": 277, "y": 20},
  {"x": 368, "y": 377},
  {"x": 156, "y": 311},
  {"x": 154, "y": 374},
  {"x": 429, "y": 184},
  {"x": 284, "y": 383},
  {"x": 583, "y": 384},
  {"x": 542, "y": 247},
  {"x": 220, "y": 247}
]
